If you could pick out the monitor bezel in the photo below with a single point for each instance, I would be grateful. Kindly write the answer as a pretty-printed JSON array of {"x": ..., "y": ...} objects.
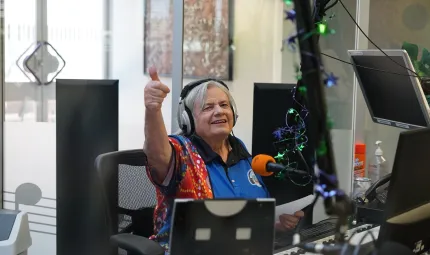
[
  {"x": 414, "y": 81},
  {"x": 223, "y": 211}
]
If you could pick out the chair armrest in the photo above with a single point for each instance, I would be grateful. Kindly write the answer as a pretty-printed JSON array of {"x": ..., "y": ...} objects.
[{"x": 137, "y": 244}]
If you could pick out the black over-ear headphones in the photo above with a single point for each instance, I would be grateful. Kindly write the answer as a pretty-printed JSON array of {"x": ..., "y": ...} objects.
[{"x": 185, "y": 118}]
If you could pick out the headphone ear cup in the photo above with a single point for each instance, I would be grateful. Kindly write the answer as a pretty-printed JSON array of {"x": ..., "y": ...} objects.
[
  {"x": 190, "y": 127},
  {"x": 185, "y": 122},
  {"x": 235, "y": 116}
]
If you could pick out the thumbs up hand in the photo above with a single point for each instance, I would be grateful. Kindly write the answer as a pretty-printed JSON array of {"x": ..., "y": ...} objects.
[{"x": 155, "y": 91}]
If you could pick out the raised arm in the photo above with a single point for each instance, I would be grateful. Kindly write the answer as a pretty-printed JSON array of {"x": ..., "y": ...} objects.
[{"x": 156, "y": 147}]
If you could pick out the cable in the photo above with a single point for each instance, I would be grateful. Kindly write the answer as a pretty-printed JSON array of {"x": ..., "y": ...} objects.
[
  {"x": 374, "y": 44},
  {"x": 331, "y": 6},
  {"x": 357, "y": 248},
  {"x": 347, "y": 243},
  {"x": 364, "y": 67},
  {"x": 314, "y": 11},
  {"x": 369, "y": 68},
  {"x": 321, "y": 9}
]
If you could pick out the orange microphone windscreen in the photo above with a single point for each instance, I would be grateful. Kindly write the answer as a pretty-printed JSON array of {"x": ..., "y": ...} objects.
[{"x": 259, "y": 163}]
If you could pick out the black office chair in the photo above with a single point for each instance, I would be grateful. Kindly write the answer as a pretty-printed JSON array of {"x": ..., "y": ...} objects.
[{"x": 130, "y": 199}]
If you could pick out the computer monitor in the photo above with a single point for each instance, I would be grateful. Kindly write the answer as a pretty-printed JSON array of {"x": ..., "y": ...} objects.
[
  {"x": 407, "y": 210},
  {"x": 392, "y": 93},
  {"x": 271, "y": 103}
]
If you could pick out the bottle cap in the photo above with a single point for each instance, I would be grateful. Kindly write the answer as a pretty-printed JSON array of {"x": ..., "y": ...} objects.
[{"x": 360, "y": 148}]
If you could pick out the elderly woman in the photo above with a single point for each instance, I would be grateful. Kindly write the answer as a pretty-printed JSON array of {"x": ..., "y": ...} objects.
[{"x": 204, "y": 161}]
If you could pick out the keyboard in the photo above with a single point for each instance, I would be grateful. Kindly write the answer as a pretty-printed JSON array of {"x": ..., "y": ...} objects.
[
  {"x": 318, "y": 230},
  {"x": 359, "y": 231},
  {"x": 314, "y": 232}
]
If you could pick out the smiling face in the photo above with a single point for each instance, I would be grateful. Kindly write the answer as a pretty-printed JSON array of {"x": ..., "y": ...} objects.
[{"x": 214, "y": 116}]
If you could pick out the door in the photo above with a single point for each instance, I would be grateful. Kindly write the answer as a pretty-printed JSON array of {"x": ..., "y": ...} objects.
[{"x": 44, "y": 40}]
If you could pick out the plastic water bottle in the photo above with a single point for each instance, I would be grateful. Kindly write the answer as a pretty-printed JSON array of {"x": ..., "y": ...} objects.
[{"x": 378, "y": 166}]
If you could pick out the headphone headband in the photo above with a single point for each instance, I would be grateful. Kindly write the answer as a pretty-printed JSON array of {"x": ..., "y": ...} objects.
[{"x": 186, "y": 90}]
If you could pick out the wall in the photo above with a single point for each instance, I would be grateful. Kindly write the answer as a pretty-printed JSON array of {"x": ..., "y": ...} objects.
[{"x": 257, "y": 58}]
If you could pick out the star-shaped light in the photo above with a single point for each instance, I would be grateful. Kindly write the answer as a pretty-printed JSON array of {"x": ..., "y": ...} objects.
[
  {"x": 278, "y": 134},
  {"x": 331, "y": 80},
  {"x": 290, "y": 15},
  {"x": 291, "y": 42}
]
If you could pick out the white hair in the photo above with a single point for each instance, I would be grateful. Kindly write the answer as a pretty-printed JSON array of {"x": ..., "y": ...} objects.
[{"x": 199, "y": 94}]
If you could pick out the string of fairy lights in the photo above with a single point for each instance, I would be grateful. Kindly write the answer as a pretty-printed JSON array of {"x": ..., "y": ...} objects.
[{"x": 292, "y": 139}]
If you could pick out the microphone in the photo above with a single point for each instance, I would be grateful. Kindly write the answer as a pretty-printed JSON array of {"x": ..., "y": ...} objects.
[{"x": 266, "y": 165}]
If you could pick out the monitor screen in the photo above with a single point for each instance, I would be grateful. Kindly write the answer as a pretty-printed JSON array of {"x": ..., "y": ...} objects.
[{"x": 389, "y": 95}]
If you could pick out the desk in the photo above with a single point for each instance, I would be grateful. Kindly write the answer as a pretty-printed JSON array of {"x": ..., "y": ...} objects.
[{"x": 361, "y": 231}]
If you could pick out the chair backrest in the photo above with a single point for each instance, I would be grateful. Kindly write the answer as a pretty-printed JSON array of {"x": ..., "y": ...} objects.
[{"x": 130, "y": 195}]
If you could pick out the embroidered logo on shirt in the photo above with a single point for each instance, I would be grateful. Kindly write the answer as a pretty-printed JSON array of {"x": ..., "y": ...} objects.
[{"x": 252, "y": 178}]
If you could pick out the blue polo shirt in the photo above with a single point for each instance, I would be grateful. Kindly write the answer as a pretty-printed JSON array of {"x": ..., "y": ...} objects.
[{"x": 233, "y": 178}]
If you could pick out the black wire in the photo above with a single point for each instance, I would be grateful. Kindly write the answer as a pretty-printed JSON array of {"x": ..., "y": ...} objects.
[
  {"x": 357, "y": 248},
  {"x": 321, "y": 9},
  {"x": 370, "y": 40},
  {"x": 331, "y": 6},
  {"x": 314, "y": 11},
  {"x": 366, "y": 67},
  {"x": 347, "y": 244}
]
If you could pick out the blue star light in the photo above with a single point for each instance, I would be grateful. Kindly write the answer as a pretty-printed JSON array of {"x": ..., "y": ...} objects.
[
  {"x": 278, "y": 134},
  {"x": 291, "y": 42},
  {"x": 290, "y": 15},
  {"x": 331, "y": 80}
]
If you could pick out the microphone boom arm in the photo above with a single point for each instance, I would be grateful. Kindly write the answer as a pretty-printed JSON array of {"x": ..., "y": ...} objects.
[{"x": 336, "y": 202}]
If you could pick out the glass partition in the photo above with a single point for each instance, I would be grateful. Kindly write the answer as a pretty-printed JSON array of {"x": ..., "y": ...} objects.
[
  {"x": 389, "y": 25},
  {"x": 107, "y": 41},
  {"x": 340, "y": 98},
  {"x": 94, "y": 40}
]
